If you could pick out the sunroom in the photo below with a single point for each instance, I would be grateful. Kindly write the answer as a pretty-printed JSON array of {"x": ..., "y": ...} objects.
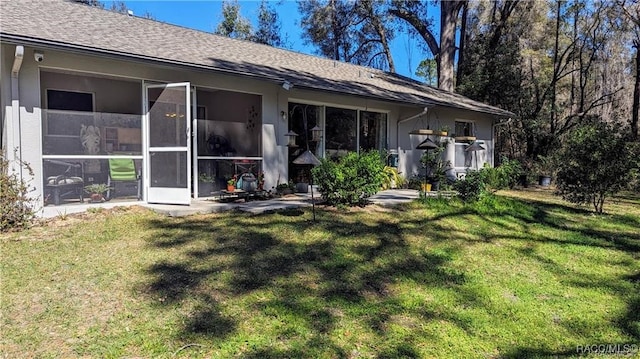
[{"x": 108, "y": 138}]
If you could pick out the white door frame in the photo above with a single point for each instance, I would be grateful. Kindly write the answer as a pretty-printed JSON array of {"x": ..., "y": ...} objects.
[{"x": 167, "y": 195}]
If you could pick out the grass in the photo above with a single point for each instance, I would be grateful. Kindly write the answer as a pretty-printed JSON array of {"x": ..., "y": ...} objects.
[{"x": 516, "y": 275}]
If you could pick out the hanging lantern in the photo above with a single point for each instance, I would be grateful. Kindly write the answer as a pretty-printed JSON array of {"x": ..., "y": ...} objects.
[
  {"x": 316, "y": 133},
  {"x": 291, "y": 138},
  {"x": 475, "y": 146},
  {"x": 427, "y": 144}
]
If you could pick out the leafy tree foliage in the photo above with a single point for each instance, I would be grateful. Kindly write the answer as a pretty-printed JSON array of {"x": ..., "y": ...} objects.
[
  {"x": 554, "y": 63},
  {"x": 356, "y": 32},
  {"x": 415, "y": 14},
  {"x": 596, "y": 163},
  {"x": 233, "y": 24},
  {"x": 268, "y": 32},
  {"x": 631, "y": 12},
  {"x": 428, "y": 69}
]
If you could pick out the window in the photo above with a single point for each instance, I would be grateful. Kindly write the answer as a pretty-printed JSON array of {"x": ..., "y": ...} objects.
[
  {"x": 464, "y": 129},
  {"x": 302, "y": 118},
  {"x": 373, "y": 131},
  {"x": 340, "y": 131},
  {"x": 68, "y": 119}
]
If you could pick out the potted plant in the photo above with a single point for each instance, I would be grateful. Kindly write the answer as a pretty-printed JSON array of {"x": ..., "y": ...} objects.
[
  {"x": 205, "y": 185},
  {"x": 545, "y": 167},
  {"x": 260, "y": 180},
  {"x": 231, "y": 183},
  {"x": 96, "y": 192},
  {"x": 435, "y": 166},
  {"x": 285, "y": 188}
]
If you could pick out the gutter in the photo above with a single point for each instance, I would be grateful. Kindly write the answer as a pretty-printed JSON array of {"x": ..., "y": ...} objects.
[{"x": 84, "y": 50}]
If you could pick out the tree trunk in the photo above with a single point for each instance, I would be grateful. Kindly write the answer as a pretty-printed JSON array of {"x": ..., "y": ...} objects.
[
  {"x": 636, "y": 94},
  {"x": 463, "y": 39},
  {"x": 448, "y": 21},
  {"x": 385, "y": 44},
  {"x": 556, "y": 69},
  {"x": 335, "y": 29}
]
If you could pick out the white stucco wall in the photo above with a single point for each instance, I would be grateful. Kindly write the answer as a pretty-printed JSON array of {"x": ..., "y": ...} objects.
[
  {"x": 436, "y": 118},
  {"x": 274, "y": 100}
]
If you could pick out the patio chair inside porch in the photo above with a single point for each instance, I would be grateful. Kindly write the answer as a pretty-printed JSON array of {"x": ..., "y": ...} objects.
[
  {"x": 123, "y": 171},
  {"x": 67, "y": 183}
]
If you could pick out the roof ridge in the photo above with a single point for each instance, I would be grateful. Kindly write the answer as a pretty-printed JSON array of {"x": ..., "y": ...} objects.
[
  {"x": 66, "y": 25},
  {"x": 241, "y": 41}
]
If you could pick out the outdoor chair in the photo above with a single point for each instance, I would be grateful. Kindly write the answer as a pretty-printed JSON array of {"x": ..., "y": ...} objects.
[
  {"x": 123, "y": 170},
  {"x": 68, "y": 183}
]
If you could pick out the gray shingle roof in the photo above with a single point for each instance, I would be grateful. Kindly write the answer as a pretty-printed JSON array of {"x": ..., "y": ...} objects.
[{"x": 78, "y": 27}]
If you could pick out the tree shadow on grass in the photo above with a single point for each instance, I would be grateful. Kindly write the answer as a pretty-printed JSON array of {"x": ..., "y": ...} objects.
[
  {"x": 334, "y": 267},
  {"x": 317, "y": 281}
]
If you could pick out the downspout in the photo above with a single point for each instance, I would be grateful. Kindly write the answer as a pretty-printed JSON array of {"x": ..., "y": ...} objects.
[
  {"x": 14, "y": 142},
  {"x": 424, "y": 112}
]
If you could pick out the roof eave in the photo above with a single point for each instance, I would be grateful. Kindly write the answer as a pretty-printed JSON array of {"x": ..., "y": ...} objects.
[{"x": 85, "y": 50}]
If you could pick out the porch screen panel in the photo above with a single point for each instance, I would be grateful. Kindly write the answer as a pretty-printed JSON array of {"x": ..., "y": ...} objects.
[
  {"x": 373, "y": 131},
  {"x": 229, "y": 124},
  {"x": 168, "y": 169},
  {"x": 341, "y": 131},
  {"x": 302, "y": 118},
  {"x": 169, "y": 124},
  {"x": 103, "y": 119}
]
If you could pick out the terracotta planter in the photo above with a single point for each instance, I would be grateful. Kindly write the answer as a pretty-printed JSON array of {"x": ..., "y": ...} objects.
[
  {"x": 465, "y": 138},
  {"x": 97, "y": 198},
  {"x": 421, "y": 132},
  {"x": 231, "y": 188}
]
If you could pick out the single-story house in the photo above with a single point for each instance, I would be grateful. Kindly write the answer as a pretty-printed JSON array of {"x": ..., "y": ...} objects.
[{"x": 164, "y": 114}]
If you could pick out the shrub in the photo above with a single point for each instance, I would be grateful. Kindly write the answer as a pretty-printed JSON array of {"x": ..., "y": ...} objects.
[
  {"x": 471, "y": 187},
  {"x": 392, "y": 177},
  {"x": 434, "y": 164},
  {"x": 352, "y": 179},
  {"x": 414, "y": 182},
  {"x": 16, "y": 211},
  {"x": 596, "y": 163},
  {"x": 504, "y": 176}
]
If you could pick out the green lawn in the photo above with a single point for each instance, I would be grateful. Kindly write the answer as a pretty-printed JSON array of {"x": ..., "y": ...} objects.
[{"x": 522, "y": 275}]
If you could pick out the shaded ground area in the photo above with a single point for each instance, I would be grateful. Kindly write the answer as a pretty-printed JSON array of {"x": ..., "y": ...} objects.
[{"x": 507, "y": 277}]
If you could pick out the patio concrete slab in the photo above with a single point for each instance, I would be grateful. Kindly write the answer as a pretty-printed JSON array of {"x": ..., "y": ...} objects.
[
  {"x": 386, "y": 198},
  {"x": 394, "y": 197}
]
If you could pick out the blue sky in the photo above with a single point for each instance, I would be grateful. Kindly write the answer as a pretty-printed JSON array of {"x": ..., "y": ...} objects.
[{"x": 205, "y": 16}]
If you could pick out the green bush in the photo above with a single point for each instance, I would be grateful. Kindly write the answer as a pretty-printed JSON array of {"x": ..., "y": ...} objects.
[
  {"x": 16, "y": 210},
  {"x": 414, "y": 182},
  {"x": 596, "y": 162},
  {"x": 504, "y": 176},
  {"x": 471, "y": 187},
  {"x": 352, "y": 179},
  {"x": 392, "y": 177}
]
